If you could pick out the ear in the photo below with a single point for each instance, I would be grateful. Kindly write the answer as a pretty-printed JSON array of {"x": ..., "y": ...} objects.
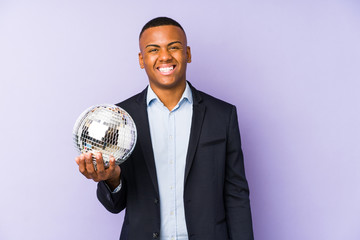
[
  {"x": 141, "y": 61},
  {"x": 188, "y": 54}
]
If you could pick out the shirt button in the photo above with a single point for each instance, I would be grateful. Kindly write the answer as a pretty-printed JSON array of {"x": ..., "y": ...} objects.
[
  {"x": 156, "y": 201},
  {"x": 155, "y": 235},
  {"x": 172, "y": 213},
  {"x": 170, "y": 137}
]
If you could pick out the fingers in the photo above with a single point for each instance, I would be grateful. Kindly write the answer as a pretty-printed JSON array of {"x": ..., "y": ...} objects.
[
  {"x": 77, "y": 160},
  {"x": 99, "y": 162},
  {"x": 100, "y": 166},
  {"x": 86, "y": 167},
  {"x": 110, "y": 171},
  {"x": 114, "y": 171},
  {"x": 80, "y": 160},
  {"x": 112, "y": 164},
  {"x": 91, "y": 173}
]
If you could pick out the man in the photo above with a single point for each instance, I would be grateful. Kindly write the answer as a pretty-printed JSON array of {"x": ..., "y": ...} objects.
[{"x": 185, "y": 178}]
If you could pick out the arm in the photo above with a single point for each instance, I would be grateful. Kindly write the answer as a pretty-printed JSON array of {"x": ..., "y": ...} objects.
[
  {"x": 236, "y": 192},
  {"x": 114, "y": 202},
  {"x": 108, "y": 179}
]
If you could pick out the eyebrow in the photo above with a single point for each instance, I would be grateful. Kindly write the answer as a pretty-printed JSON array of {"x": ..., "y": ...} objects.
[{"x": 154, "y": 45}]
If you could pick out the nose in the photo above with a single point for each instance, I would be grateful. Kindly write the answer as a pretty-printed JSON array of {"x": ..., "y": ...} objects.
[{"x": 165, "y": 55}]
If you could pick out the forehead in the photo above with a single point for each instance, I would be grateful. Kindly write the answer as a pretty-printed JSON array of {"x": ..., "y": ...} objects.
[{"x": 162, "y": 35}]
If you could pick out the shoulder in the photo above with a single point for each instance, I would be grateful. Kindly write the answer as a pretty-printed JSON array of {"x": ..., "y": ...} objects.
[
  {"x": 134, "y": 101},
  {"x": 211, "y": 102},
  {"x": 209, "y": 99}
]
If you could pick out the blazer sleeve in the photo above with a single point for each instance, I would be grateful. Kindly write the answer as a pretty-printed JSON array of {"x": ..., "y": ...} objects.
[
  {"x": 113, "y": 202},
  {"x": 236, "y": 190}
]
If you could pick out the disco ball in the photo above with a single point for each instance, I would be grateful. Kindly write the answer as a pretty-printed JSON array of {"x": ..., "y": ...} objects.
[{"x": 108, "y": 129}]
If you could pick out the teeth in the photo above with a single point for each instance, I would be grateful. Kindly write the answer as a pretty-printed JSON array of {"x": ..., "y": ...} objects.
[{"x": 167, "y": 69}]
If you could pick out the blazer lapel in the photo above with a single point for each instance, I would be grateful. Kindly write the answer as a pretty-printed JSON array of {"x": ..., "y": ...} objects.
[
  {"x": 144, "y": 138},
  {"x": 196, "y": 126}
]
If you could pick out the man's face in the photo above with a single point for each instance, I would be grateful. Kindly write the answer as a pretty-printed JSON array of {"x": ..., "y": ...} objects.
[{"x": 164, "y": 54}]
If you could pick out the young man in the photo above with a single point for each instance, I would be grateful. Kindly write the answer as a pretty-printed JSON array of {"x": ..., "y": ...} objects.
[{"x": 185, "y": 178}]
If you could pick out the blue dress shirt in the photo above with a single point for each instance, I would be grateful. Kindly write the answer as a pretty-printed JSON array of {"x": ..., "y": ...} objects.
[{"x": 170, "y": 132}]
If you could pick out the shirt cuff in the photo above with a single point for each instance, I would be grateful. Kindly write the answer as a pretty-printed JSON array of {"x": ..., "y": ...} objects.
[{"x": 117, "y": 189}]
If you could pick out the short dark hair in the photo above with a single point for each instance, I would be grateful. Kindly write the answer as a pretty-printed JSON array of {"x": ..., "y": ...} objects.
[{"x": 160, "y": 21}]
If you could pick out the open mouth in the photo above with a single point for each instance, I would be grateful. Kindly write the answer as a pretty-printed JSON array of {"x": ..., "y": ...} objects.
[{"x": 166, "y": 70}]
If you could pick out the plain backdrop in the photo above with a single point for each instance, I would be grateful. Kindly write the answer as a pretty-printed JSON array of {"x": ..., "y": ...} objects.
[{"x": 291, "y": 67}]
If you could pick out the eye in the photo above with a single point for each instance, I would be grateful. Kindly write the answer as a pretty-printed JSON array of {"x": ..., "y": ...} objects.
[
  {"x": 174, "y": 48},
  {"x": 153, "y": 50}
]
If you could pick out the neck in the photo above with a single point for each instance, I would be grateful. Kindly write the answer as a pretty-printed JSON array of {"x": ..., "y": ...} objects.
[{"x": 169, "y": 96}]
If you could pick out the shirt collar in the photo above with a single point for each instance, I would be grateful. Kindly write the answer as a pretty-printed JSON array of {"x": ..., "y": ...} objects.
[{"x": 151, "y": 96}]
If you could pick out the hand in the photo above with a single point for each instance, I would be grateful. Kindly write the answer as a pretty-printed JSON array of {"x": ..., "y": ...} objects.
[{"x": 111, "y": 175}]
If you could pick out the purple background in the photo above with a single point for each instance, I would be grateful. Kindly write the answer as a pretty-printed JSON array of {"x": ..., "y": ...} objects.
[{"x": 291, "y": 67}]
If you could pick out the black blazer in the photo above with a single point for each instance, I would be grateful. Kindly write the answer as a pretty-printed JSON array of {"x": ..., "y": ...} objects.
[{"x": 216, "y": 193}]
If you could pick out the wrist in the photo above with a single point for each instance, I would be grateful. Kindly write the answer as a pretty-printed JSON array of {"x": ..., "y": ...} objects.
[{"x": 113, "y": 182}]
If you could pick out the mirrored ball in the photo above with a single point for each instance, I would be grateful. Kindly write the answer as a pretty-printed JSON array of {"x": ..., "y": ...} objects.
[{"x": 108, "y": 129}]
